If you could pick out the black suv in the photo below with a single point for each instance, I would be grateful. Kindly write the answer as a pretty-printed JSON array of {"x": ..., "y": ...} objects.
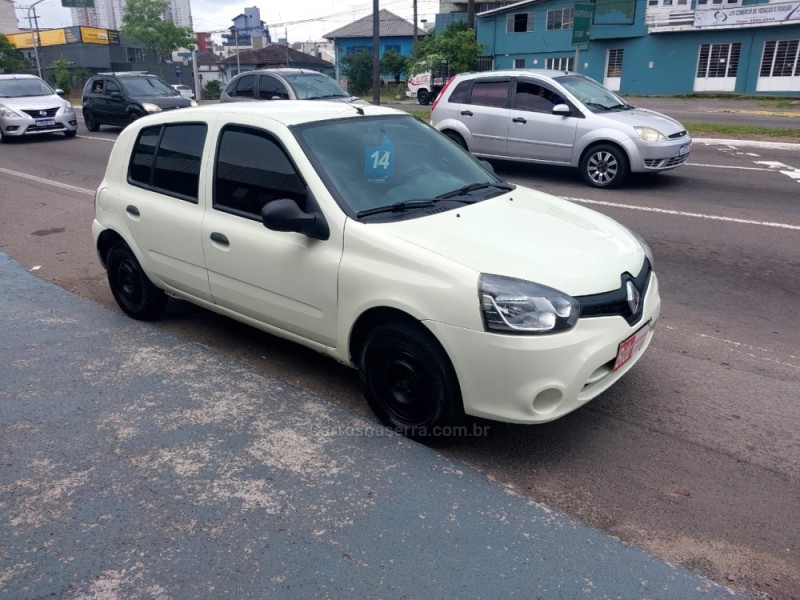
[{"x": 121, "y": 98}]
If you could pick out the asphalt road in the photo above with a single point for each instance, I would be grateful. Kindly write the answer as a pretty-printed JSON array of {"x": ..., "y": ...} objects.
[{"x": 694, "y": 456}]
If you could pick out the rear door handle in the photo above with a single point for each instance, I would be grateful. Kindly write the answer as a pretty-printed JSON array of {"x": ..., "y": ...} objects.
[
  {"x": 466, "y": 113},
  {"x": 518, "y": 120},
  {"x": 133, "y": 210},
  {"x": 220, "y": 238}
]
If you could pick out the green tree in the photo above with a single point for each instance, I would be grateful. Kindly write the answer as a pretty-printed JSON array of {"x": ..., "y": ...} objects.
[
  {"x": 62, "y": 75},
  {"x": 10, "y": 60},
  {"x": 457, "y": 45},
  {"x": 393, "y": 64},
  {"x": 212, "y": 90},
  {"x": 358, "y": 70},
  {"x": 143, "y": 19}
]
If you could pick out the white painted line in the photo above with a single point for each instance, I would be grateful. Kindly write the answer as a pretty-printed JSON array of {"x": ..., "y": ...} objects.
[
  {"x": 751, "y": 143},
  {"x": 61, "y": 186},
  {"x": 728, "y": 167},
  {"x": 91, "y": 137},
  {"x": 681, "y": 213}
]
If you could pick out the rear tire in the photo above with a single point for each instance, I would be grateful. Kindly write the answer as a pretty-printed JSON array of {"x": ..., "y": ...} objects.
[
  {"x": 90, "y": 121},
  {"x": 604, "y": 166},
  {"x": 409, "y": 381},
  {"x": 457, "y": 139},
  {"x": 133, "y": 291}
]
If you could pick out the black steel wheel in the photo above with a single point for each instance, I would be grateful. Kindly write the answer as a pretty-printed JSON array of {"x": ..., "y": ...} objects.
[
  {"x": 133, "y": 291},
  {"x": 90, "y": 121},
  {"x": 424, "y": 97},
  {"x": 604, "y": 166},
  {"x": 409, "y": 381}
]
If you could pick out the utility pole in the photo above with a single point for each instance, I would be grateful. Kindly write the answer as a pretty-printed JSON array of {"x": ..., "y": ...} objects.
[
  {"x": 236, "y": 34},
  {"x": 35, "y": 35},
  {"x": 414, "y": 50},
  {"x": 376, "y": 53}
]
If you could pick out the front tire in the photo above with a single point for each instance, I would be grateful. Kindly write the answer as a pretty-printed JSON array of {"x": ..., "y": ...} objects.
[
  {"x": 424, "y": 97},
  {"x": 133, "y": 291},
  {"x": 70, "y": 134},
  {"x": 604, "y": 166},
  {"x": 90, "y": 121},
  {"x": 409, "y": 381}
]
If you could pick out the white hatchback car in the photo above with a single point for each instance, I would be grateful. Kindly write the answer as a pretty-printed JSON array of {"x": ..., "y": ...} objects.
[
  {"x": 361, "y": 232},
  {"x": 184, "y": 90},
  {"x": 558, "y": 118}
]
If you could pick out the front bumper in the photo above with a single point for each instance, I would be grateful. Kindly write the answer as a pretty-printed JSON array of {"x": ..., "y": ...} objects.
[
  {"x": 536, "y": 379},
  {"x": 662, "y": 156},
  {"x": 18, "y": 126}
]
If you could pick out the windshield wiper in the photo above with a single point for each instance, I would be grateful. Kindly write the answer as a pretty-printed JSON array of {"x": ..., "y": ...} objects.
[
  {"x": 621, "y": 106},
  {"x": 396, "y": 207},
  {"x": 463, "y": 191}
]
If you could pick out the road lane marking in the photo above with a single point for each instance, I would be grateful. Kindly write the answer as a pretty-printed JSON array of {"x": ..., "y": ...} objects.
[
  {"x": 681, "y": 213},
  {"x": 61, "y": 186},
  {"x": 91, "y": 137},
  {"x": 728, "y": 167}
]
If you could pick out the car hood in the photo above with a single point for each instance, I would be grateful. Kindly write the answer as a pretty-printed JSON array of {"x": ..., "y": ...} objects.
[
  {"x": 533, "y": 236},
  {"x": 33, "y": 102},
  {"x": 643, "y": 117},
  {"x": 166, "y": 101}
]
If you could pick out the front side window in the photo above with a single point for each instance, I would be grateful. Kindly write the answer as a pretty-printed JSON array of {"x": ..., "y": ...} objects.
[
  {"x": 167, "y": 159},
  {"x": 533, "y": 97},
  {"x": 147, "y": 87},
  {"x": 490, "y": 93},
  {"x": 519, "y": 22},
  {"x": 111, "y": 86},
  {"x": 270, "y": 88},
  {"x": 252, "y": 169}
]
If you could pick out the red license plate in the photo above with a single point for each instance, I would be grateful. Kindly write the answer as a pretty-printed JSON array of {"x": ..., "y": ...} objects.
[{"x": 631, "y": 346}]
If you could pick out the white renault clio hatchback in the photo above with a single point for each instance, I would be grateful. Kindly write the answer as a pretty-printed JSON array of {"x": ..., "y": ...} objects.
[{"x": 363, "y": 233}]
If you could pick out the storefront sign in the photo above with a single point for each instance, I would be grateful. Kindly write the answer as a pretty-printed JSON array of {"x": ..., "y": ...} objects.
[{"x": 748, "y": 15}]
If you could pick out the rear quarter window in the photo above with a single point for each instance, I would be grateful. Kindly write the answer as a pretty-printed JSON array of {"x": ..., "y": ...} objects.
[
  {"x": 490, "y": 93},
  {"x": 460, "y": 94}
]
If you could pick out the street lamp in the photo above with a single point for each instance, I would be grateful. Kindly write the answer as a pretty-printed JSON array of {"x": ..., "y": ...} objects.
[{"x": 35, "y": 37}]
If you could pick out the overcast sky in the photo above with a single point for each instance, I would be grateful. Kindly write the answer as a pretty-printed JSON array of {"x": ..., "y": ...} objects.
[{"x": 300, "y": 20}]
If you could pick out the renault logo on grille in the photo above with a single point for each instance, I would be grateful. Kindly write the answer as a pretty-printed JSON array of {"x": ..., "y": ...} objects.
[{"x": 632, "y": 297}]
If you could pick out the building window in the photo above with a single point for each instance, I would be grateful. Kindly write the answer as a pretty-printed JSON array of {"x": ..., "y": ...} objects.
[
  {"x": 559, "y": 19},
  {"x": 519, "y": 63},
  {"x": 781, "y": 59},
  {"x": 718, "y": 60},
  {"x": 135, "y": 55},
  {"x": 485, "y": 63},
  {"x": 560, "y": 64},
  {"x": 614, "y": 68},
  {"x": 519, "y": 22}
]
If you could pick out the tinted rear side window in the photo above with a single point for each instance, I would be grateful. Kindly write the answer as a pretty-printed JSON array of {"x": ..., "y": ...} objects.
[
  {"x": 461, "y": 93},
  {"x": 167, "y": 159},
  {"x": 490, "y": 93}
]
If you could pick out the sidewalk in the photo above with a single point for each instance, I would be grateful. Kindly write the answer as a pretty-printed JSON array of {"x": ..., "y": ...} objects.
[{"x": 134, "y": 464}]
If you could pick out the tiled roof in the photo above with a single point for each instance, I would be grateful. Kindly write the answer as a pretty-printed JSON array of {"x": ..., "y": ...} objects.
[
  {"x": 390, "y": 26},
  {"x": 276, "y": 55}
]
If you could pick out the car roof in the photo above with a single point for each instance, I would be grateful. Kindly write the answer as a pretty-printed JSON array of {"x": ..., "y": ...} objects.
[
  {"x": 284, "y": 71},
  {"x": 551, "y": 73},
  {"x": 289, "y": 112},
  {"x": 17, "y": 76}
]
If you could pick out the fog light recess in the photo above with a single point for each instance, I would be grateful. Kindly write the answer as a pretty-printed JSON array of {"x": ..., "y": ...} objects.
[{"x": 547, "y": 400}]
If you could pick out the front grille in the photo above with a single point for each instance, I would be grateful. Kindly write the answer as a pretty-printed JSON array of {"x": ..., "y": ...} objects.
[
  {"x": 55, "y": 127},
  {"x": 37, "y": 114},
  {"x": 615, "y": 303},
  {"x": 679, "y": 135},
  {"x": 665, "y": 163}
]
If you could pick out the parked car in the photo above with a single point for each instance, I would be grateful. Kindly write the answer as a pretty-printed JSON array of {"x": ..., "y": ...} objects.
[
  {"x": 285, "y": 84},
  {"x": 28, "y": 106},
  {"x": 184, "y": 90},
  {"x": 121, "y": 98},
  {"x": 558, "y": 118},
  {"x": 361, "y": 232}
]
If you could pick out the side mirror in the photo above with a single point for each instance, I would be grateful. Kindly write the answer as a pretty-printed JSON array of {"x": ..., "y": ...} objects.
[
  {"x": 116, "y": 94},
  {"x": 562, "y": 109},
  {"x": 285, "y": 215},
  {"x": 59, "y": 91}
]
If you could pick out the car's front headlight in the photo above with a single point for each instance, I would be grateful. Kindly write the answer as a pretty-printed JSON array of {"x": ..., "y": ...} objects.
[
  {"x": 68, "y": 110},
  {"x": 7, "y": 112},
  {"x": 648, "y": 134},
  {"x": 150, "y": 107},
  {"x": 512, "y": 305},
  {"x": 647, "y": 251}
]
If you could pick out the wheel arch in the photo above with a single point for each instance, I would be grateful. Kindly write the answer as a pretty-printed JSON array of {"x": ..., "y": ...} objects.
[
  {"x": 105, "y": 241},
  {"x": 368, "y": 320},
  {"x": 604, "y": 142}
]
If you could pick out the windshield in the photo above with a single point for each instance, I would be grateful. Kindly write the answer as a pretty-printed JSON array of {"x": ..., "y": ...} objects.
[
  {"x": 592, "y": 94},
  {"x": 147, "y": 86},
  {"x": 20, "y": 88},
  {"x": 392, "y": 167},
  {"x": 315, "y": 86}
]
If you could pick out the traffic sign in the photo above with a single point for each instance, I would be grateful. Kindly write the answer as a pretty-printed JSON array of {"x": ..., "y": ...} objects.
[{"x": 582, "y": 22}]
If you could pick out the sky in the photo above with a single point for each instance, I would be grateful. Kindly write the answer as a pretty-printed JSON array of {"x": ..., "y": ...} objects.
[{"x": 300, "y": 20}]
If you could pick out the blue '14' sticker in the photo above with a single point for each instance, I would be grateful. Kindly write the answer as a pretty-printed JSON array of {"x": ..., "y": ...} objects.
[{"x": 379, "y": 161}]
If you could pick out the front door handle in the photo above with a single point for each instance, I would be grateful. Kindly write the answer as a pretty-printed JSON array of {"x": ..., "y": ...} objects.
[
  {"x": 220, "y": 238},
  {"x": 466, "y": 113},
  {"x": 519, "y": 120},
  {"x": 132, "y": 210}
]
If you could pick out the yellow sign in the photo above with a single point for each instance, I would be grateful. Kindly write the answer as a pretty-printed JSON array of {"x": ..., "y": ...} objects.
[
  {"x": 50, "y": 37},
  {"x": 92, "y": 35}
]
